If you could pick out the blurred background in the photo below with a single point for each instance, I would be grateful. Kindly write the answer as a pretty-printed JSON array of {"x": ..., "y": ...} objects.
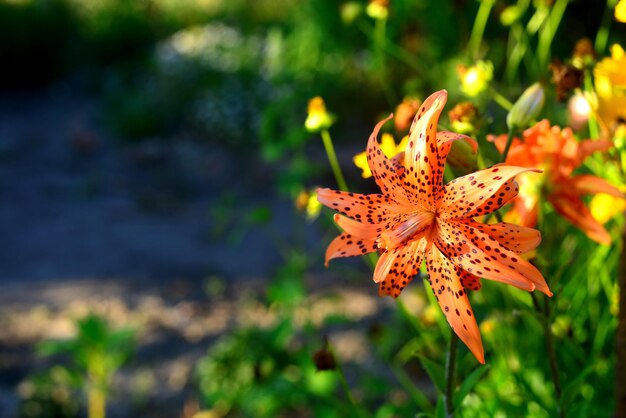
[{"x": 162, "y": 255}]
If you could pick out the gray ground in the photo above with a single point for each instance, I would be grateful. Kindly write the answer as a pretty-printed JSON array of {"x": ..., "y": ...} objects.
[{"x": 127, "y": 230}]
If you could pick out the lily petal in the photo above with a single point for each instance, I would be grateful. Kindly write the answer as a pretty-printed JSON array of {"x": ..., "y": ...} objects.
[
  {"x": 446, "y": 138},
  {"x": 468, "y": 280},
  {"x": 424, "y": 165},
  {"x": 358, "y": 229},
  {"x": 519, "y": 239},
  {"x": 574, "y": 210},
  {"x": 346, "y": 245},
  {"x": 381, "y": 167},
  {"x": 371, "y": 208},
  {"x": 444, "y": 279},
  {"x": 589, "y": 146},
  {"x": 481, "y": 192},
  {"x": 405, "y": 268},
  {"x": 588, "y": 184},
  {"x": 478, "y": 253}
]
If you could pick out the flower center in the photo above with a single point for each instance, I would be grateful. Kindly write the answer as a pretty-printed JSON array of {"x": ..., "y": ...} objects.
[{"x": 414, "y": 227}]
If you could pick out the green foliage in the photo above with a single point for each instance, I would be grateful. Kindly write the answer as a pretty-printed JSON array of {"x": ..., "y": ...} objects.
[
  {"x": 95, "y": 355},
  {"x": 49, "y": 394}
]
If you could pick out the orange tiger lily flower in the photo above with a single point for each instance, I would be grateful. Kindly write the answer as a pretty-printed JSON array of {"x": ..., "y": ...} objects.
[
  {"x": 419, "y": 218},
  {"x": 558, "y": 153}
]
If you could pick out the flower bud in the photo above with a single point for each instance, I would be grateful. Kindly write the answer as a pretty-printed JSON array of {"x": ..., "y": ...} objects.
[
  {"x": 462, "y": 157},
  {"x": 526, "y": 108},
  {"x": 318, "y": 118}
]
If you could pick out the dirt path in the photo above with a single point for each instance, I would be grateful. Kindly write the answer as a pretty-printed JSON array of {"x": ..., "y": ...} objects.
[{"x": 127, "y": 230}]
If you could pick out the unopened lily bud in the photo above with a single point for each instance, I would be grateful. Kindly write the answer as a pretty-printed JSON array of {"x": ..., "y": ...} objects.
[
  {"x": 318, "y": 118},
  {"x": 462, "y": 157},
  {"x": 526, "y": 108}
]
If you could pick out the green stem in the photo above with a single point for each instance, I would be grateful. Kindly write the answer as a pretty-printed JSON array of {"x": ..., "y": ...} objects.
[
  {"x": 450, "y": 369},
  {"x": 594, "y": 131},
  {"x": 602, "y": 36},
  {"x": 620, "y": 339},
  {"x": 480, "y": 22},
  {"x": 343, "y": 381},
  {"x": 545, "y": 314},
  {"x": 397, "y": 52},
  {"x": 96, "y": 403},
  {"x": 332, "y": 159},
  {"x": 500, "y": 99},
  {"x": 507, "y": 147},
  {"x": 547, "y": 33},
  {"x": 380, "y": 40}
]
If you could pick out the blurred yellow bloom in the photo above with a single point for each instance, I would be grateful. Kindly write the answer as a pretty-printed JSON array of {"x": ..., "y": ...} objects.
[
  {"x": 487, "y": 326},
  {"x": 475, "y": 79},
  {"x": 464, "y": 117},
  {"x": 318, "y": 118},
  {"x": 620, "y": 11},
  {"x": 378, "y": 9},
  {"x": 350, "y": 11},
  {"x": 389, "y": 147},
  {"x": 604, "y": 207},
  {"x": 610, "y": 83},
  {"x": 308, "y": 203}
]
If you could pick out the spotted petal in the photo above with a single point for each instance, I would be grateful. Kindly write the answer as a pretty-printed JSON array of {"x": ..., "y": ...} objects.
[
  {"x": 382, "y": 169},
  {"x": 346, "y": 245},
  {"x": 518, "y": 239},
  {"x": 444, "y": 279},
  {"x": 424, "y": 164},
  {"x": 478, "y": 253},
  {"x": 406, "y": 265},
  {"x": 481, "y": 192},
  {"x": 371, "y": 208}
]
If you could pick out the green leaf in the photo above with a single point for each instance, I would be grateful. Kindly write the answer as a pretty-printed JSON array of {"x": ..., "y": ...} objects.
[
  {"x": 436, "y": 372},
  {"x": 572, "y": 389},
  {"x": 468, "y": 384}
]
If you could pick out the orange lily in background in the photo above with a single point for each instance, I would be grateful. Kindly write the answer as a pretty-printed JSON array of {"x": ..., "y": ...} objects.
[
  {"x": 417, "y": 217},
  {"x": 558, "y": 153}
]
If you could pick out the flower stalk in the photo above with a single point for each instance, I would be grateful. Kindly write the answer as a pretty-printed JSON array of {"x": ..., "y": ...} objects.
[
  {"x": 480, "y": 22},
  {"x": 332, "y": 159},
  {"x": 544, "y": 314},
  {"x": 450, "y": 374},
  {"x": 620, "y": 343}
]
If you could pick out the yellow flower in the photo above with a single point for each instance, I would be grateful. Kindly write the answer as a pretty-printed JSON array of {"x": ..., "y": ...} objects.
[
  {"x": 610, "y": 83},
  {"x": 318, "y": 118},
  {"x": 308, "y": 203},
  {"x": 389, "y": 147},
  {"x": 604, "y": 206},
  {"x": 378, "y": 9},
  {"x": 620, "y": 11},
  {"x": 475, "y": 79}
]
